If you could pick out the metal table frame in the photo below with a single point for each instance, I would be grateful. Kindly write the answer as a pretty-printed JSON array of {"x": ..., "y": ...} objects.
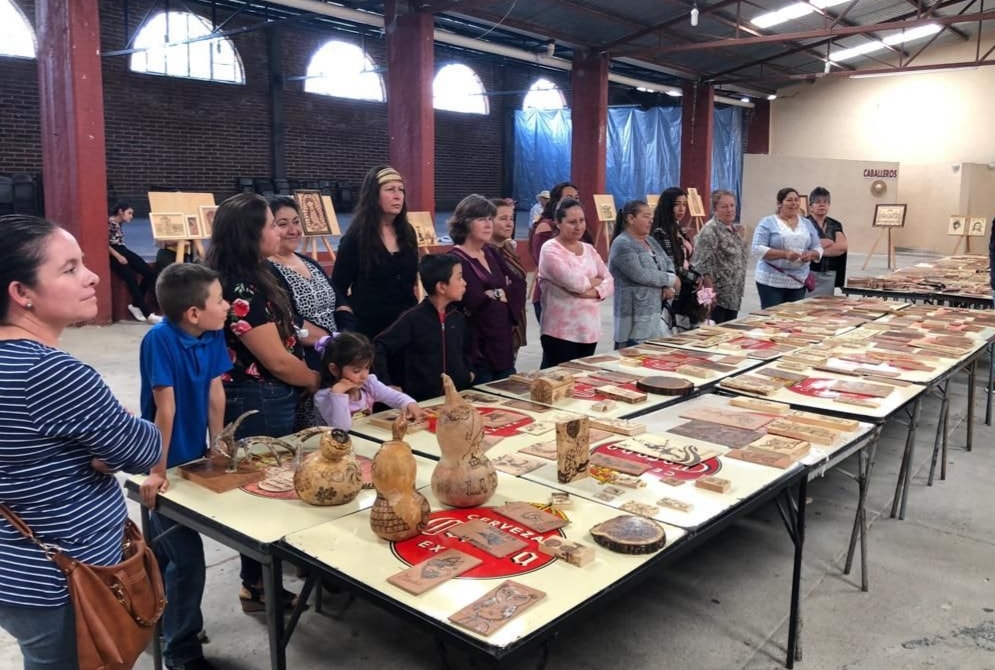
[{"x": 262, "y": 552}]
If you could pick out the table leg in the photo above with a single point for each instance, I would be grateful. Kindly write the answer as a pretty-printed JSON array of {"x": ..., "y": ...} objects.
[
  {"x": 991, "y": 382},
  {"x": 941, "y": 423},
  {"x": 795, "y": 617},
  {"x": 865, "y": 464},
  {"x": 972, "y": 377},
  {"x": 157, "y": 635},
  {"x": 904, "y": 471},
  {"x": 312, "y": 579},
  {"x": 273, "y": 588}
]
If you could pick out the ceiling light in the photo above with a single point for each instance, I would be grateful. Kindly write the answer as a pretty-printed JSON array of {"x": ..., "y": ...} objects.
[
  {"x": 794, "y": 11},
  {"x": 674, "y": 93},
  {"x": 912, "y": 34},
  {"x": 694, "y": 15},
  {"x": 744, "y": 99},
  {"x": 846, "y": 54},
  {"x": 828, "y": 67},
  {"x": 825, "y": 4},
  {"x": 871, "y": 75},
  {"x": 772, "y": 97}
]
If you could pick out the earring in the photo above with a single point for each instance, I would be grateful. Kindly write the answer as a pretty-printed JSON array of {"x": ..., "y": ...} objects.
[{"x": 29, "y": 305}]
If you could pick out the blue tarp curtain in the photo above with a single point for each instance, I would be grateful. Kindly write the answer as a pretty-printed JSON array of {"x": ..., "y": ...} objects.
[{"x": 643, "y": 154}]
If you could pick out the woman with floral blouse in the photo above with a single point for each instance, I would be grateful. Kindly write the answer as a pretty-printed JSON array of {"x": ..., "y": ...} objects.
[
  {"x": 720, "y": 255},
  {"x": 268, "y": 373}
]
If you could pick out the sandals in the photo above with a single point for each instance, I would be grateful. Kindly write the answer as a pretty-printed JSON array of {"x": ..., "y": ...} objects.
[{"x": 253, "y": 599}]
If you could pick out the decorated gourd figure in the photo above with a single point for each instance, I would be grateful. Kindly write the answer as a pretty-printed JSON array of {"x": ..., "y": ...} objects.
[
  {"x": 331, "y": 475},
  {"x": 399, "y": 512},
  {"x": 464, "y": 477}
]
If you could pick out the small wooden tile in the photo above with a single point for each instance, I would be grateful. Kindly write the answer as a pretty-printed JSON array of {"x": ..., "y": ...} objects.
[
  {"x": 433, "y": 571},
  {"x": 673, "y": 503},
  {"x": 710, "y": 483},
  {"x": 488, "y": 614},
  {"x": 531, "y": 516},
  {"x": 572, "y": 553},
  {"x": 494, "y": 541}
]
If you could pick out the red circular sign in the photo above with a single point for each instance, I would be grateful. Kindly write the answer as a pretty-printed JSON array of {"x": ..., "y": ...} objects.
[
  {"x": 437, "y": 538},
  {"x": 661, "y": 468}
]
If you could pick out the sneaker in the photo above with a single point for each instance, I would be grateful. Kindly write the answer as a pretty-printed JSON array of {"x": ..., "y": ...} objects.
[
  {"x": 154, "y": 319},
  {"x": 196, "y": 664},
  {"x": 136, "y": 312}
]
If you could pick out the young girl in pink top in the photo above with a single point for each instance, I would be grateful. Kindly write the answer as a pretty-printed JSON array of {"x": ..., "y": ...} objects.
[
  {"x": 348, "y": 386},
  {"x": 574, "y": 281}
]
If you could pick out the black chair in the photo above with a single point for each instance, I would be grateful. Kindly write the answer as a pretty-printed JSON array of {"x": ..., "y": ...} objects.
[
  {"x": 281, "y": 186},
  {"x": 325, "y": 187},
  {"x": 6, "y": 195},
  {"x": 264, "y": 187},
  {"x": 25, "y": 194},
  {"x": 346, "y": 199},
  {"x": 245, "y": 185}
]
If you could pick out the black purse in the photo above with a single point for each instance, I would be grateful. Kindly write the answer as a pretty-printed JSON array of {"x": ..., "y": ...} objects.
[{"x": 685, "y": 303}]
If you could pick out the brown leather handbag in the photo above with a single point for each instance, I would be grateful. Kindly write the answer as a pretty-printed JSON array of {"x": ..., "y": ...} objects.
[{"x": 116, "y": 606}]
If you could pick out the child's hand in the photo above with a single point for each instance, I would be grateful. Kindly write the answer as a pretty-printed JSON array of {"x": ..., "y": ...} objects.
[
  {"x": 100, "y": 466},
  {"x": 343, "y": 386},
  {"x": 151, "y": 487},
  {"x": 414, "y": 413}
]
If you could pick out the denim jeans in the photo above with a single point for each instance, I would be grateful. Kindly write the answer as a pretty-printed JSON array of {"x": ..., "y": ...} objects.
[
  {"x": 774, "y": 295},
  {"x": 180, "y": 553},
  {"x": 277, "y": 405},
  {"x": 484, "y": 375},
  {"x": 723, "y": 314},
  {"x": 46, "y": 635}
]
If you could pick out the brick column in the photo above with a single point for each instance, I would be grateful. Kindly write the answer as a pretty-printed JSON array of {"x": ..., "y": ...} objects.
[
  {"x": 758, "y": 128},
  {"x": 589, "y": 138},
  {"x": 697, "y": 120}
]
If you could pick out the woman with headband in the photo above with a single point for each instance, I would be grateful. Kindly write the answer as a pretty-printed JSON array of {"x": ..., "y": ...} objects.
[{"x": 377, "y": 261}]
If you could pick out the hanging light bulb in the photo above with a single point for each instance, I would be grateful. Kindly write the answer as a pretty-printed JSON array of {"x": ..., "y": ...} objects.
[
  {"x": 828, "y": 66},
  {"x": 694, "y": 14}
]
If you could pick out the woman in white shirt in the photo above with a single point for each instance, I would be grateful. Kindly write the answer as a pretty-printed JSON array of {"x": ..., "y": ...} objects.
[{"x": 784, "y": 245}]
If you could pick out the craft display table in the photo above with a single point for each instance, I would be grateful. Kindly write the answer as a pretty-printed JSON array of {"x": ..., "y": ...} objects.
[
  {"x": 702, "y": 369},
  {"x": 954, "y": 280},
  {"x": 346, "y": 550},
  {"x": 251, "y": 523}
]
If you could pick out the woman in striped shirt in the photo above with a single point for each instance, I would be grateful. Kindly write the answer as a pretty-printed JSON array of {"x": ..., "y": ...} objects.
[{"x": 62, "y": 435}]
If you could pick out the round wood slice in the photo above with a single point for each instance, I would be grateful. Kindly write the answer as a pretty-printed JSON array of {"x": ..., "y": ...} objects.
[
  {"x": 630, "y": 535},
  {"x": 665, "y": 385}
]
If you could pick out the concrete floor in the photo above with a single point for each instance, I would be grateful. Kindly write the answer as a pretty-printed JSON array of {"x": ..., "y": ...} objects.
[{"x": 724, "y": 606}]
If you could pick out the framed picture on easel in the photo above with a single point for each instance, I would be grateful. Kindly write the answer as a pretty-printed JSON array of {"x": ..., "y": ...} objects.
[
  {"x": 169, "y": 226},
  {"x": 977, "y": 226},
  {"x": 886, "y": 217},
  {"x": 314, "y": 220},
  {"x": 424, "y": 227},
  {"x": 695, "y": 205}
]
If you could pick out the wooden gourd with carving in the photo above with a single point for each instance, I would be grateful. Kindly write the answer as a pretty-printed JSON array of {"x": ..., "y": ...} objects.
[
  {"x": 331, "y": 475},
  {"x": 464, "y": 476},
  {"x": 399, "y": 512}
]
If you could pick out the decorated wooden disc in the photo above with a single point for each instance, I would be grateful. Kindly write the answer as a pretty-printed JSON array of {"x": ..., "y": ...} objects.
[
  {"x": 630, "y": 535},
  {"x": 665, "y": 385}
]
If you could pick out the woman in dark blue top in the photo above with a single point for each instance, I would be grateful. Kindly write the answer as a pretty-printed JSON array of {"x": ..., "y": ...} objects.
[{"x": 62, "y": 435}]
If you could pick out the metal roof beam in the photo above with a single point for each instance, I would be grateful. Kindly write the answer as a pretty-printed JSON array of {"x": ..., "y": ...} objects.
[
  {"x": 810, "y": 34},
  {"x": 929, "y": 12}
]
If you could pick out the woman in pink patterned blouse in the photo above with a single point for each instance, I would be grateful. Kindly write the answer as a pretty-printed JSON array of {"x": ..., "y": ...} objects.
[{"x": 574, "y": 280}]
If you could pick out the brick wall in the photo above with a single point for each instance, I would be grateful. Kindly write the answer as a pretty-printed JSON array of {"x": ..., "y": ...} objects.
[{"x": 199, "y": 135}]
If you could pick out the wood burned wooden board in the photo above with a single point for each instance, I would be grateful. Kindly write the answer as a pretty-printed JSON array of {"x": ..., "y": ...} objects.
[
  {"x": 347, "y": 545},
  {"x": 898, "y": 397},
  {"x": 703, "y": 369}
]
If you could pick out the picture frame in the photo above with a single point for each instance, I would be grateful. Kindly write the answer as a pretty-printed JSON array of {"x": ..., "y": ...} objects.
[
  {"x": 169, "y": 226},
  {"x": 194, "y": 227},
  {"x": 957, "y": 225},
  {"x": 314, "y": 219},
  {"x": 977, "y": 226},
  {"x": 207, "y": 220},
  {"x": 604, "y": 203},
  {"x": 653, "y": 200},
  {"x": 803, "y": 205},
  {"x": 424, "y": 227},
  {"x": 889, "y": 216},
  {"x": 695, "y": 205}
]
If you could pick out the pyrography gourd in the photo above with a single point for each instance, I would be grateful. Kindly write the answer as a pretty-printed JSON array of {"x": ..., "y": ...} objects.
[
  {"x": 464, "y": 476},
  {"x": 331, "y": 475},
  {"x": 399, "y": 511}
]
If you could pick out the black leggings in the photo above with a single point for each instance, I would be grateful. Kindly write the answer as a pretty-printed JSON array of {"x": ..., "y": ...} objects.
[
  {"x": 128, "y": 274},
  {"x": 556, "y": 351}
]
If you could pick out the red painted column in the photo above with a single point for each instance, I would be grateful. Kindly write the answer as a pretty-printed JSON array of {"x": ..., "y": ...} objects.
[
  {"x": 410, "y": 115},
  {"x": 697, "y": 120},
  {"x": 72, "y": 129},
  {"x": 589, "y": 140},
  {"x": 758, "y": 128}
]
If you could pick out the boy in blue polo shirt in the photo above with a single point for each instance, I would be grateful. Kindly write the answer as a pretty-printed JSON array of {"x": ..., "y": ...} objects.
[{"x": 182, "y": 360}]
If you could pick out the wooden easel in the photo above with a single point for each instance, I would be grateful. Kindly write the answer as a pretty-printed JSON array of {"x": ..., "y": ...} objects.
[
  {"x": 424, "y": 225},
  {"x": 890, "y": 251},
  {"x": 187, "y": 203},
  {"x": 604, "y": 204},
  {"x": 697, "y": 209}
]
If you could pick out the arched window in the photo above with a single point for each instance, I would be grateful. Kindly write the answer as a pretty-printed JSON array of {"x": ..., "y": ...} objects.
[
  {"x": 172, "y": 48},
  {"x": 16, "y": 36},
  {"x": 459, "y": 89},
  {"x": 345, "y": 71},
  {"x": 544, "y": 94}
]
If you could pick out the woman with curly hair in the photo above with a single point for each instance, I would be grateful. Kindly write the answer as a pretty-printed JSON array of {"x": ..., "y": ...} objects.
[{"x": 377, "y": 261}]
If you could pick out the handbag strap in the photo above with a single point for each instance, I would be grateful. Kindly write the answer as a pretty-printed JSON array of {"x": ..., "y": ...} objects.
[
  {"x": 18, "y": 523},
  {"x": 783, "y": 272}
]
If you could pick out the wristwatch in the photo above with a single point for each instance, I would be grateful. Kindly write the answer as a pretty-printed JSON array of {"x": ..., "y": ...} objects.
[{"x": 498, "y": 294}]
